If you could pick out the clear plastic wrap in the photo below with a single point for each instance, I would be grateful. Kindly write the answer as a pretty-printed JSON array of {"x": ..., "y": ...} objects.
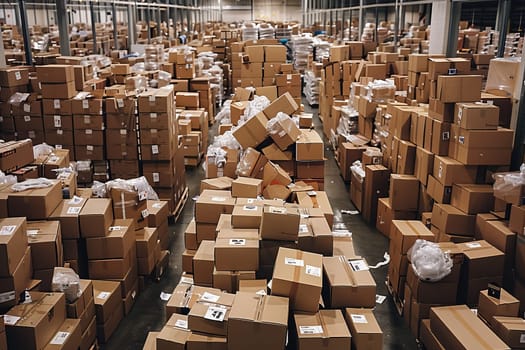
[
  {"x": 66, "y": 281},
  {"x": 510, "y": 186},
  {"x": 139, "y": 185},
  {"x": 257, "y": 105},
  {"x": 99, "y": 189},
  {"x": 217, "y": 155},
  {"x": 380, "y": 91},
  {"x": 32, "y": 184},
  {"x": 274, "y": 127},
  {"x": 226, "y": 140},
  {"x": 429, "y": 262},
  {"x": 7, "y": 179},
  {"x": 357, "y": 169},
  {"x": 224, "y": 114},
  {"x": 17, "y": 98},
  {"x": 244, "y": 167},
  {"x": 42, "y": 150}
]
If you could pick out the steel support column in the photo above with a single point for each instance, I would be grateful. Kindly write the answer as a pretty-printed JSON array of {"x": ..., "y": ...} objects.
[
  {"x": 453, "y": 29},
  {"x": 131, "y": 26},
  {"x": 93, "y": 26},
  {"x": 63, "y": 29},
  {"x": 25, "y": 31},
  {"x": 114, "y": 18},
  {"x": 2, "y": 53},
  {"x": 502, "y": 24}
]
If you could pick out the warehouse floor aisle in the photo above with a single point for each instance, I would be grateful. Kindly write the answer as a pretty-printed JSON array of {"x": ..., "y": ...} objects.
[{"x": 148, "y": 312}]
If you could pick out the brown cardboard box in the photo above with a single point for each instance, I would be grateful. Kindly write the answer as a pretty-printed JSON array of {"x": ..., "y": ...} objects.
[
  {"x": 237, "y": 111},
  {"x": 489, "y": 306},
  {"x": 424, "y": 164},
  {"x": 315, "y": 236},
  {"x": 257, "y": 321},
  {"x": 223, "y": 183},
  {"x": 428, "y": 338},
  {"x": 77, "y": 308},
  {"x": 280, "y": 223},
  {"x": 185, "y": 295},
  {"x": 115, "y": 244},
  {"x": 56, "y": 73},
  {"x": 459, "y": 88},
  {"x": 449, "y": 171},
  {"x": 318, "y": 200},
  {"x": 35, "y": 204},
  {"x": 385, "y": 215},
  {"x": 14, "y": 76},
  {"x": 457, "y": 327},
  {"x": 441, "y": 111},
  {"x": 130, "y": 204},
  {"x": 473, "y": 199},
  {"x": 246, "y": 187},
  {"x": 116, "y": 268},
  {"x": 440, "y": 293},
  {"x": 326, "y": 329},
  {"x": 11, "y": 287},
  {"x": 187, "y": 260},
  {"x": 268, "y": 91},
  {"x": 212, "y": 316},
  {"x": 437, "y": 191},
  {"x": 156, "y": 100},
  {"x": 107, "y": 299},
  {"x": 440, "y": 137},
  {"x": 174, "y": 334},
  {"x": 510, "y": 330},
  {"x": 348, "y": 283},
  {"x": 236, "y": 251},
  {"x": 187, "y": 99},
  {"x": 298, "y": 275},
  {"x": 404, "y": 192},
  {"x": 33, "y": 325},
  {"x": 211, "y": 204},
  {"x": 476, "y": 116},
  {"x": 158, "y": 212},
  {"x": 147, "y": 242},
  {"x": 365, "y": 331},
  {"x": 247, "y": 216},
  {"x": 67, "y": 213},
  {"x": 201, "y": 341},
  {"x": 46, "y": 244},
  {"x": 273, "y": 174},
  {"x": 517, "y": 219},
  {"x": 253, "y": 132},
  {"x": 59, "y": 90},
  {"x": 284, "y": 103},
  {"x": 229, "y": 280},
  {"x": 96, "y": 217},
  {"x": 283, "y": 131},
  {"x": 473, "y": 149},
  {"x": 481, "y": 260},
  {"x": 418, "y": 62},
  {"x": 451, "y": 220},
  {"x": 15, "y": 154},
  {"x": 404, "y": 234},
  {"x": 203, "y": 263},
  {"x": 68, "y": 337},
  {"x": 106, "y": 330},
  {"x": 255, "y": 286},
  {"x": 13, "y": 244}
]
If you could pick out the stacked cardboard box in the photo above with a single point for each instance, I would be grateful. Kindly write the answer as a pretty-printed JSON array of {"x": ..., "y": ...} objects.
[
  {"x": 194, "y": 128},
  {"x": 89, "y": 126},
  {"x": 109, "y": 308},
  {"x": 45, "y": 240},
  {"x": 83, "y": 309},
  {"x": 12, "y": 80}
]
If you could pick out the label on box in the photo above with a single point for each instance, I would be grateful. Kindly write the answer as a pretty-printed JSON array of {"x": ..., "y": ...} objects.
[
  {"x": 358, "y": 265},
  {"x": 293, "y": 261},
  {"x": 357, "y": 318},
  {"x": 31, "y": 134},
  {"x": 238, "y": 241},
  {"x": 460, "y": 114},
  {"x": 303, "y": 228},
  {"x": 18, "y": 76},
  {"x": 120, "y": 103},
  {"x": 87, "y": 119},
  {"x": 85, "y": 104},
  {"x": 60, "y": 132},
  {"x": 89, "y": 132},
  {"x": 27, "y": 107},
  {"x": 27, "y": 118},
  {"x": 461, "y": 140},
  {"x": 440, "y": 171},
  {"x": 144, "y": 213},
  {"x": 155, "y": 149},
  {"x": 123, "y": 132},
  {"x": 215, "y": 313},
  {"x": 212, "y": 298},
  {"x": 11, "y": 320},
  {"x": 7, "y": 230},
  {"x": 143, "y": 195},
  {"x": 490, "y": 102},
  {"x": 152, "y": 98},
  {"x": 311, "y": 193},
  {"x": 218, "y": 199},
  {"x": 117, "y": 228},
  {"x": 57, "y": 121},
  {"x": 58, "y": 146},
  {"x": 473, "y": 245},
  {"x": 157, "y": 205},
  {"x": 250, "y": 207},
  {"x": 313, "y": 270},
  {"x": 56, "y": 104},
  {"x": 32, "y": 232},
  {"x": 282, "y": 133},
  {"x": 522, "y": 338},
  {"x": 187, "y": 280},
  {"x": 53, "y": 159},
  {"x": 445, "y": 136},
  {"x": 277, "y": 210},
  {"x": 183, "y": 324},
  {"x": 60, "y": 338},
  {"x": 156, "y": 177},
  {"x": 261, "y": 292},
  {"x": 103, "y": 295},
  {"x": 7, "y": 296},
  {"x": 311, "y": 329},
  {"x": 90, "y": 148},
  {"x": 288, "y": 77},
  {"x": 153, "y": 115}
]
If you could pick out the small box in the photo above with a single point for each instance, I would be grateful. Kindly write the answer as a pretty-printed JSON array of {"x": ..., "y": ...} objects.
[
  {"x": 45, "y": 240},
  {"x": 211, "y": 204},
  {"x": 481, "y": 260},
  {"x": 203, "y": 263},
  {"x": 404, "y": 192},
  {"x": 283, "y": 131},
  {"x": 473, "y": 199},
  {"x": 253, "y": 132},
  {"x": 115, "y": 244},
  {"x": 247, "y": 216},
  {"x": 280, "y": 223},
  {"x": 13, "y": 244},
  {"x": 174, "y": 334},
  {"x": 68, "y": 213},
  {"x": 284, "y": 103},
  {"x": 490, "y": 306},
  {"x": 327, "y": 327},
  {"x": 246, "y": 187},
  {"x": 107, "y": 299},
  {"x": 511, "y": 330},
  {"x": 35, "y": 204},
  {"x": 405, "y": 233},
  {"x": 211, "y": 316},
  {"x": 365, "y": 331},
  {"x": 96, "y": 217},
  {"x": 315, "y": 236},
  {"x": 448, "y": 219},
  {"x": 476, "y": 116},
  {"x": 237, "y": 252},
  {"x": 309, "y": 146}
]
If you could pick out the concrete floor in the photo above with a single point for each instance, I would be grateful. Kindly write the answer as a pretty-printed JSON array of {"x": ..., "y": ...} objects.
[{"x": 148, "y": 312}]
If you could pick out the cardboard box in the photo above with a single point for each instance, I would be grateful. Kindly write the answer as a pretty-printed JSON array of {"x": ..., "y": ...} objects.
[
  {"x": 77, "y": 308},
  {"x": 273, "y": 174},
  {"x": 35, "y": 204},
  {"x": 237, "y": 111},
  {"x": 186, "y": 295},
  {"x": 476, "y": 116},
  {"x": 13, "y": 244},
  {"x": 315, "y": 236},
  {"x": 11, "y": 287},
  {"x": 14, "y": 76},
  {"x": 96, "y": 217},
  {"x": 284, "y": 103},
  {"x": 211, "y": 204},
  {"x": 385, "y": 215},
  {"x": 404, "y": 192},
  {"x": 63, "y": 91},
  {"x": 280, "y": 223},
  {"x": 298, "y": 276},
  {"x": 269, "y": 91},
  {"x": 158, "y": 212},
  {"x": 442, "y": 292},
  {"x": 202, "y": 341},
  {"x": 147, "y": 242},
  {"x": 449, "y": 219},
  {"x": 253, "y": 132},
  {"x": 247, "y": 216},
  {"x": 212, "y": 316},
  {"x": 46, "y": 244},
  {"x": 203, "y": 263},
  {"x": 318, "y": 200},
  {"x": 174, "y": 334},
  {"x": 33, "y": 325},
  {"x": 236, "y": 251},
  {"x": 106, "y": 330},
  {"x": 428, "y": 338},
  {"x": 473, "y": 199},
  {"x": 365, "y": 331},
  {"x": 517, "y": 219},
  {"x": 15, "y": 154},
  {"x": 326, "y": 329},
  {"x": 67, "y": 213},
  {"x": 68, "y": 337},
  {"x": 489, "y": 306},
  {"x": 229, "y": 280},
  {"x": 348, "y": 283},
  {"x": 459, "y": 88},
  {"x": 457, "y": 327},
  {"x": 481, "y": 260},
  {"x": 246, "y": 187},
  {"x": 130, "y": 203},
  {"x": 473, "y": 149},
  {"x": 257, "y": 320},
  {"x": 510, "y": 330},
  {"x": 449, "y": 171},
  {"x": 283, "y": 131},
  {"x": 404, "y": 234},
  {"x": 115, "y": 244},
  {"x": 156, "y": 100},
  {"x": 107, "y": 299},
  {"x": 115, "y": 268}
]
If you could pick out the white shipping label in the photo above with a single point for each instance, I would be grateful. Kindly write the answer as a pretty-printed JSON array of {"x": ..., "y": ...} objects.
[
  {"x": 58, "y": 146},
  {"x": 357, "y": 318},
  {"x": 73, "y": 210},
  {"x": 31, "y": 134},
  {"x": 120, "y": 102},
  {"x": 212, "y": 298},
  {"x": 56, "y": 104},
  {"x": 7, "y": 296},
  {"x": 60, "y": 338},
  {"x": 157, "y": 205},
  {"x": 18, "y": 76},
  {"x": 183, "y": 324},
  {"x": 89, "y": 132},
  {"x": 311, "y": 193},
  {"x": 313, "y": 271},
  {"x": 152, "y": 98},
  {"x": 153, "y": 115},
  {"x": 238, "y": 241},
  {"x": 358, "y": 265},
  {"x": 27, "y": 107},
  {"x": 103, "y": 295},
  {"x": 215, "y": 313},
  {"x": 293, "y": 261},
  {"x": 7, "y": 230},
  {"x": 57, "y": 120},
  {"x": 32, "y": 232},
  {"x": 282, "y": 133},
  {"x": 311, "y": 329},
  {"x": 144, "y": 213},
  {"x": 522, "y": 338},
  {"x": 473, "y": 245},
  {"x": 123, "y": 132},
  {"x": 187, "y": 280},
  {"x": 117, "y": 228},
  {"x": 87, "y": 119},
  {"x": 156, "y": 177},
  {"x": 10, "y": 320},
  {"x": 75, "y": 200},
  {"x": 218, "y": 199},
  {"x": 85, "y": 104},
  {"x": 27, "y": 118},
  {"x": 250, "y": 207},
  {"x": 90, "y": 148},
  {"x": 277, "y": 210},
  {"x": 60, "y": 132},
  {"x": 303, "y": 228}
]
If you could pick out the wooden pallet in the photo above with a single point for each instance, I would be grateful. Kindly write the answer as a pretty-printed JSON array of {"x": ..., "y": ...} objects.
[
  {"x": 398, "y": 302},
  {"x": 180, "y": 206}
]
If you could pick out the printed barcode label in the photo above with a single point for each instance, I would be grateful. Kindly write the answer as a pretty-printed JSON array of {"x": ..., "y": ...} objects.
[
  {"x": 27, "y": 118},
  {"x": 278, "y": 210},
  {"x": 152, "y": 98},
  {"x": 238, "y": 241},
  {"x": 60, "y": 132},
  {"x": 85, "y": 104},
  {"x": 356, "y": 318},
  {"x": 18, "y": 76},
  {"x": 11, "y": 320},
  {"x": 207, "y": 296},
  {"x": 143, "y": 195},
  {"x": 522, "y": 338},
  {"x": 7, "y": 296},
  {"x": 218, "y": 199},
  {"x": 187, "y": 280},
  {"x": 32, "y": 232},
  {"x": 120, "y": 102},
  {"x": 7, "y": 230},
  {"x": 90, "y": 148},
  {"x": 57, "y": 121},
  {"x": 117, "y": 228},
  {"x": 311, "y": 329},
  {"x": 293, "y": 261},
  {"x": 473, "y": 245},
  {"x": 89, "y": 132},
  {"x": 303, "y": 228},
  {"x": 56, "y": 104},
  {"x": 313, "y": 271},
  {"x": 215, "y": 313},
  {"x": 103, "y": 295},
  {"x": 155, "y": 149},
  {"x": 123, "y": 132},
  {"x": 27, "y": 107},
  {"x": 157, "y": 205},
  {"x": 153, "y": 115},
  {"x": 31, "y": 134},
  {"x": 156, "y": 177},
  {"x": 183, "y": 324},
  {"x": 250, "y": 207},
  {"x": 76, "y": 200},
  {"x": 358, "y": 265},
  {"x": 87, "y": 119},
  {"x": 144, "y": 213},
  {"x": 60, "y": 338}
]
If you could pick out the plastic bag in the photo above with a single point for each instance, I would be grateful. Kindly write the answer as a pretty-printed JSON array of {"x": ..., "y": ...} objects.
[
  {"x": 274, "y": 126},
  {"x": 99, "y": 189},
  {"x": 224, "y": 115},
  {"x": 429, "y": 262},
  {"x": 357, "y": 169},
  {"x": 42, "y": 150},
  {"x": 226, "y": 140},
  {"x": 217, "y": 155},
  {"x": 257, "y": 105},
  {"x": 509, "y": 185},
  {"x": 7, "y": 179},
  {"x": 139, "y": 185},
  {"x": 32, "y": 184},
  {"x": 66, "y": 281}
]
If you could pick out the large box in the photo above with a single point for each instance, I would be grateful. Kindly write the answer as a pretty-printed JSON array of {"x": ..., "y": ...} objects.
[
  {"x": 449, "y": 171},
  {"x": 280, "y": 223},
  {"x": 14, "y": 76},
  {"x": 476, "y": 116},
  {"x": 510, "y": 330},
  {"x": 257, "y": 322},
  {"x": 68, "y": 337},
  {"x": 203, "y": 263},
  {"x": 46, "y": 244},
  {"x": 298, "y": 276},
  {"x": 348, "y": 283},
  {"x": 326, "y": 329},
  {"x": 96, "y": 217},
  {"x": 253, "y": 132},
  {"x": 246, "y": 187},
  {"x": 35, "y": 204},
  {"x": 481, "y": 260},
  {"x": 247, "y": 216},
  {"x": 404, "y": 192},
  {"x": 55, "y": 73},
  {"x": 236, "y": 251},
  {"x": 115, "y": 268},
  {"x": 366, "y": 332},
  {"x": 115, "y": 244},
  {"x": 490, "y": 306},
  {"x": 309, "y": 146},
  {"x": 130, "y": 204},
  {"x": 473, "y": 148},
  {"x": 405, "y": 233},
  {"x": 283, "y": 131},
  {"x": 457, "y": 327},
  {"x": 315, "y": 236},
  {"x": 211, "y": 204},
  {"x": 107, "y": 296},
  {"x": 67, "y": 213},
  {"x": 13, "y": 244},
  {"x": 459, "y": 88},
  {"x": 284, "y": 103},
  {"x": 448, "y": 219},
  {"x": 15, "y": 154}
]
